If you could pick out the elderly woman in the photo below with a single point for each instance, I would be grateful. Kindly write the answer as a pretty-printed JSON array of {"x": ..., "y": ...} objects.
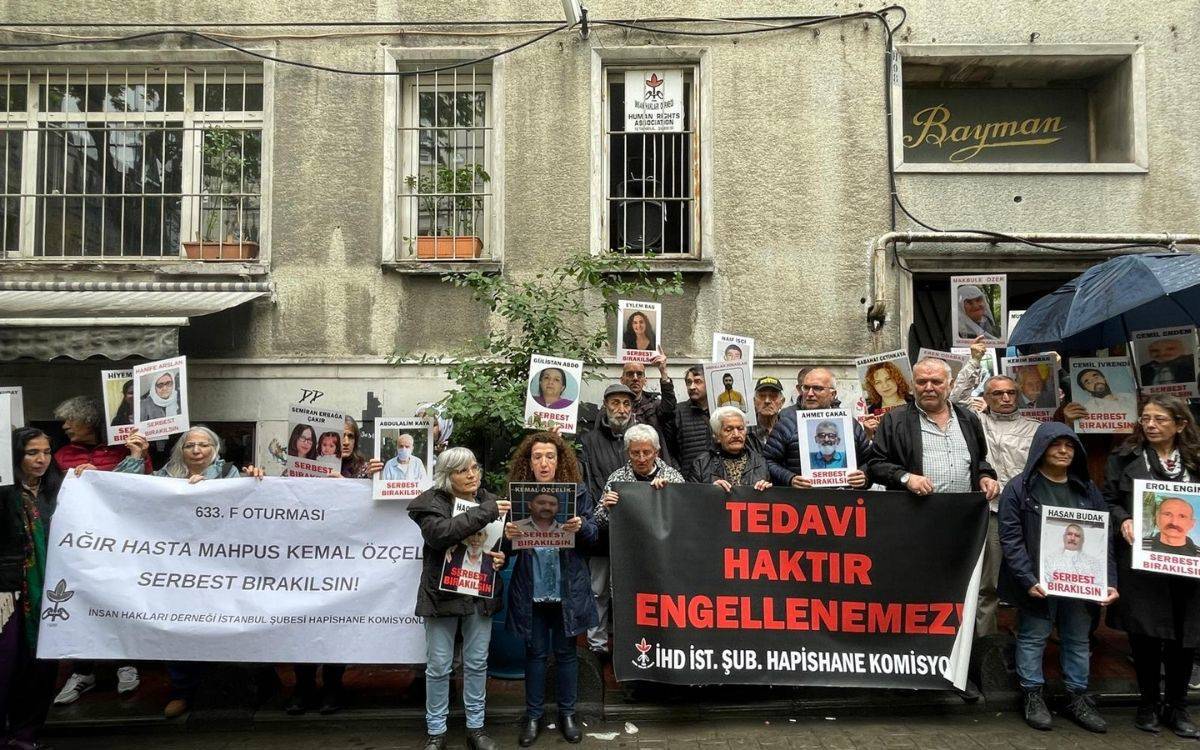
[
  {"x": 195, "y": 457},
  {"x": 550, "y": 596},
  {"x": 456, "y": 476},
  {"x": 731, "y": 461},
  {"x": 975, "y": 314},
  {"x": 642, "y": 447},
  {"x": 161, "y": 399},
  {"x": 26, "y": 683},
  {"x": 1160, "y": 613},
  {"x": 83, "y": 422}
]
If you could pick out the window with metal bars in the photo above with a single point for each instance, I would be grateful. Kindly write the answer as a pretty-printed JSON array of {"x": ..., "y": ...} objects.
[
  {"x": 651, "y": 180},
  {"x": 131, "y": 162},
  {"x": 444, "y": 138}
]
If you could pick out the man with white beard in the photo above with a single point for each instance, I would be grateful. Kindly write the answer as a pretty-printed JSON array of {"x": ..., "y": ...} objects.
[{"x": 827, "y": 455}]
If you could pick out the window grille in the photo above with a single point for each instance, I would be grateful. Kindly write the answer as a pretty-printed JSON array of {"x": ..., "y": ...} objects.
[
  {"x": 651, "y": 180},
  {"x": 129, "y": 162},
  {"x": 444, "y": 198}
]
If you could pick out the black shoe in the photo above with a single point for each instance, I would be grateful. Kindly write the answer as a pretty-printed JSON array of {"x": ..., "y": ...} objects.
[
  {"x": 969, "y": 694},
  {"x": 1177, "y": 720},
  {"x": 298, "y": 704},
  {"x": 331, "y": 702},
  {"x": 477, "y": 739},
  {"x": 435, "y": 742},
  {"x": 1037, "y": 715},
  {"x": 570, "y": 728},
  {"x": 530, "y": 729},
  {"x": 1146, "y": 718},
  {"x": 1081, "y": 710}
]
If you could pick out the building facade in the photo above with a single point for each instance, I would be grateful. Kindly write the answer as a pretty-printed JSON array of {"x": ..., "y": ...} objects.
[{"x": 321, "y": 194}]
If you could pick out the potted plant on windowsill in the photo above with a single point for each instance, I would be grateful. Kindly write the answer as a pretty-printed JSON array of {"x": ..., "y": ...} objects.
[
  {"x": 451, "y": 201},
  {"x": 232, "y": 166}
]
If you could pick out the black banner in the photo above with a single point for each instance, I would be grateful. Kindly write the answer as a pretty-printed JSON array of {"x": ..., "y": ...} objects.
[{"x": 792, "y": 587}]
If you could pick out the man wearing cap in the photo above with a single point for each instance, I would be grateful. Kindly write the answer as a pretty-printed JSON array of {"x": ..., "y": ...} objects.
[
  {"x": 818, "y": 390},
  {"x": 649, "y": 407},
  {"x": 768, "y": 402},
  {"x": 604, "y": 452}
]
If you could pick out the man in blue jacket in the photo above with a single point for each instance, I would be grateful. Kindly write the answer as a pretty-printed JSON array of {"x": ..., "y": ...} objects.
[
  {"x": 1056, "y": 474},
  {"x": 818, "y": 390}
]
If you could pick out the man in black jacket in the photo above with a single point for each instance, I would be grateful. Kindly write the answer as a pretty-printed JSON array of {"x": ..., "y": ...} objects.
[
  {"x": 932, "y": 445},
  {"x": 818, "y": 390},
  {"x": 603, "y": 453},
  {"x": 688, "y": 433},
  {"x": 650, "y": 408}
]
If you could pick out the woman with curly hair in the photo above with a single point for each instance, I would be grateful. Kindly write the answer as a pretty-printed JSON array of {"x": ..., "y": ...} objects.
[
  {"x": 885, "y": 388},
  {"x": 639, "y": 332},
  {"x": 550, "y": 597}
]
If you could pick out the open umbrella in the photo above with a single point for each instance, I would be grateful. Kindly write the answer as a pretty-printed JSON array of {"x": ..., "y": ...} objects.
[{"x": 1102, "y": 307}]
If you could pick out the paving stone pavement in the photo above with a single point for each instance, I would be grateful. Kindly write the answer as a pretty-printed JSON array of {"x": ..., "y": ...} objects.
[{"x": 971, "y": 731}]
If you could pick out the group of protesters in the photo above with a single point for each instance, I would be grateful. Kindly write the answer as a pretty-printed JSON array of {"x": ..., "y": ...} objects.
[{"x": 930, "y": 443}]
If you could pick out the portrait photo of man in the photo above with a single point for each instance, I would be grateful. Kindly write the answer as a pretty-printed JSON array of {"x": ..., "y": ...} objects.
[
  {"x": 1071, "y": 558},
  {"x": 728, "y": 395},
  {"x": 1168, "y": 361},
  {"x": 404, "y": 465},
  {"x": 826, "y": 448},
  {"x": 1173, "y": 521},
  {"x": 1100, "y": 397},
  {"x": 543, "y": 509},
  {"x": 1036, "y": 389}
]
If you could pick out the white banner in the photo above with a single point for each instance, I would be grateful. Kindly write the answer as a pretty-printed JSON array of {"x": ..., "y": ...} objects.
[
  {"x": 16, "y": 404},
  {"x": 160, "y": 398},
  {"x": 1074, "y": 553},
  {"x": 277, "y": 570},
  {"x": 654, "y": 100}
]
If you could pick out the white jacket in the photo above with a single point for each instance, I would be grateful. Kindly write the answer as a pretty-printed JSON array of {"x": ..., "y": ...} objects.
[{"x": 1008, "y": 439}]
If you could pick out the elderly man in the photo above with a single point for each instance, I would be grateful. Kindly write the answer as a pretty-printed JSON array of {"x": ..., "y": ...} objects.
[
  {"x": 828, "y": 437},
  {"x": 1008, "y": 436},
  {"x": 603, "y": 449},
  {"x": 688, "y": 433},
  {"x": 1173, "y": 521},
  {"x": 1170, "y": 362},
  {"x": 732, "y": 460},
  {"x": 818, "y": 390},
  {"x": 642, "y": 445},
  {"x": 932, "y": 445},
  {"x": 649, "y": 407},
  {"x": 1035, "y": 390},
  {"x": 1056, "y": 474},
  {"x": 1071, "y": 558},
  {"x": 768, "y": 402},
  {"x": 404, "y": 465}
]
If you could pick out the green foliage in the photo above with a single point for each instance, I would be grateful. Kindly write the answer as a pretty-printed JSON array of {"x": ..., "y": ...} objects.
[
  {"x": 449, "y": 195},
  {"x": 558, "y": 312}
]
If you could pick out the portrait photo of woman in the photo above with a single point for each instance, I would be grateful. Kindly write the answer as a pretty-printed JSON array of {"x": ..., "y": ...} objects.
[
  {"x": 549, "y": 390},
  {"x": 639, "y": 332},
  {"x": 885, "y": 387},
  {"x": 303, "y": 442}
]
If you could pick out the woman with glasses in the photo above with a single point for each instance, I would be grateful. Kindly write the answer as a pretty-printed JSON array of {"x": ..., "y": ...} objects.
[
  {"x": 1161, "y": 613},
  {"x": 456, "y": 476},
  {"x": 195, "y": 457}
]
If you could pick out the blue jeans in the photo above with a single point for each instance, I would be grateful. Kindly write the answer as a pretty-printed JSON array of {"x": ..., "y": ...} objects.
[
  {"x": 546, "y": 633},
  {"x": 1074, "y": 622},
  {"x": 439, "y": 663}
]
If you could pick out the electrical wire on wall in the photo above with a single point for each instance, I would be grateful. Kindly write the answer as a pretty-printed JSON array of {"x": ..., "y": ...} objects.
[{"x": 539, "y": 30}]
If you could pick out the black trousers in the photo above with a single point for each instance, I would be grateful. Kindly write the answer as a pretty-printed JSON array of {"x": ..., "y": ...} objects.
[{"x": 1151, "y": 656}]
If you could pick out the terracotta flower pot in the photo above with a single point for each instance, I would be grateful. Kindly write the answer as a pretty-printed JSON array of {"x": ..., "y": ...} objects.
[
  {"x": 217, "y": 250},
  {"x": 449, "y": 248}
]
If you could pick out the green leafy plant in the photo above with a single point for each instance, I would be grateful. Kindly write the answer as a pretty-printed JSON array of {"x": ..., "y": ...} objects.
[
  {"x": 232, "y": 165},
  {"x": 558, "y": 312},
  {"x": 447, "y": 198}
]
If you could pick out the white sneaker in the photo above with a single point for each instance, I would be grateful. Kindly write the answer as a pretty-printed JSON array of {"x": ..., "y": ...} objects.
[
  {"x": 77, "y": 685},
  {"x": 127, "y": 680}
]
